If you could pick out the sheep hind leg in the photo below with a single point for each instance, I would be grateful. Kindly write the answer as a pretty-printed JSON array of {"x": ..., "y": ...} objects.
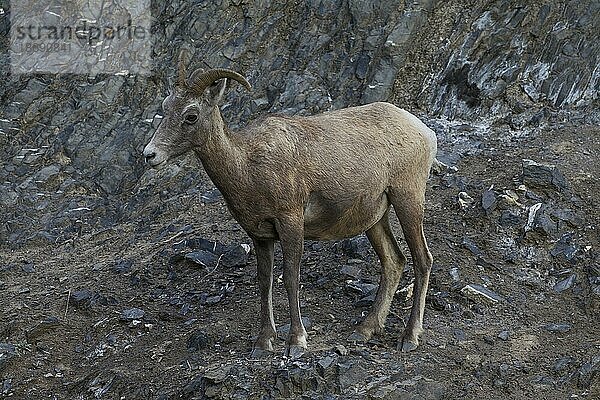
[
  {"x": 392, "y": 265},
  {"x": 409, "y": 209}
]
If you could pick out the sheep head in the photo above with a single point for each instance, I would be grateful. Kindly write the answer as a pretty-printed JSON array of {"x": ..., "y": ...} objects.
[{"x": 191, "y": 114}]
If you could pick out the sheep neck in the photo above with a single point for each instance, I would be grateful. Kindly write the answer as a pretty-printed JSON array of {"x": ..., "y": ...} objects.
[{"x": 222, "y": 158}]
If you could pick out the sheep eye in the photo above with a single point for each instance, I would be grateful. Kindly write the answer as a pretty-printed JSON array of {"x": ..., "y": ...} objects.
[{"x": 191, "y": 119}]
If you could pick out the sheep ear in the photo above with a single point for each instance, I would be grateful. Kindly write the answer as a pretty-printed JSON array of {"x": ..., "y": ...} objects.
[
  {"x": 170, "y": 85},
  {"x": 216, "y": 91}
]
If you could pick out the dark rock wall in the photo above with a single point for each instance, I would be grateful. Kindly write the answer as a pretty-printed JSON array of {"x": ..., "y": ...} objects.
[{"x": 70, "y": 144}]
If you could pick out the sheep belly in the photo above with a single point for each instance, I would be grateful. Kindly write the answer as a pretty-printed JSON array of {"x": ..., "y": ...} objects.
[{"x": 326, "y": 219}]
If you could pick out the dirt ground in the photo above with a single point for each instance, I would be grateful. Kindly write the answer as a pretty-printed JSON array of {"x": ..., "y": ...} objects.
[{"x": 67, "y": 308}]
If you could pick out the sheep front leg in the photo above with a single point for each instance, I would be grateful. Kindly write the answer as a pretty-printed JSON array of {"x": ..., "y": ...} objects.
[
  {"x": 291, "y": 235},
  {"x": 264, "y": 262}
]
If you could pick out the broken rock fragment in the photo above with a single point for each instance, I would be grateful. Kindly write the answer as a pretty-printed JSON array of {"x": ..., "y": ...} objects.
[{"x": 543, "y": 176}]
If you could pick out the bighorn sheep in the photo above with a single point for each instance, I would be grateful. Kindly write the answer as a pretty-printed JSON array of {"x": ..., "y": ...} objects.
[{"x": 323, "y": 177}]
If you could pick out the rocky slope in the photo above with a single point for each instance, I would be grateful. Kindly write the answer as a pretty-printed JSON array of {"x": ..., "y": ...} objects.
[
  {"x": 107, "y": 269},
  {"x": 72, "y": 142}
]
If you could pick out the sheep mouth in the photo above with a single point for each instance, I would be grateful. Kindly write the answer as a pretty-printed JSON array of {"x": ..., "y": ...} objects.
[{"x": 158, "y": 165}]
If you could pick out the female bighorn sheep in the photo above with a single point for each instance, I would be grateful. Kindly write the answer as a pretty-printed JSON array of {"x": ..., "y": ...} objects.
[{"x": 328, "y": 176}]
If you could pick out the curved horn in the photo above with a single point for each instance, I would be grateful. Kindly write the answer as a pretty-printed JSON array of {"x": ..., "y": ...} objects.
[{"x": 199, "y": 80}]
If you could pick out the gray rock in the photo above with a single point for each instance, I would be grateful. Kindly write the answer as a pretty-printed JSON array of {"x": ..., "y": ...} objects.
[
  {"x": 544, "y": 176},
  {"x": 6, "y": 387},
  {"x": 132, "y": 314},
  {"x": 198, "y": 340},
  {"x": 81, "y": 298},
  {"x": 8, "y": 197},
  {"x": 539, "y": 221},
  {"x": 489, "y": 201},
  {"x": 471, "y": 246},
  {"x": 352, "y": 374},
  {"x": 211, "y": 196},
  {"x": 362, "y": 288},
  {"x": 589, "y": 373},
  {"x": 415, "y": 388},
  {"x": 563, "y": 363},
  {"x": 28, "y": 268},
  {"x": 352, "y": 271},
  {"x": 509, "y": 218},
  {"x": 558, "y": 327},
  {"x": 357, "y": 247},
  {"x": 565, "y": 284},
  {"x": 7, "y": 352},
  {"x": 122, "y": 266},
  {"x": 564, "y": 248},
  {"x": 504, "y": 335},
  {"x": 47, "y": 172},
  {"x": 205, "y": 258},
  {"x": 235, "y": 256},
  {"x": 478, "y": 292}
]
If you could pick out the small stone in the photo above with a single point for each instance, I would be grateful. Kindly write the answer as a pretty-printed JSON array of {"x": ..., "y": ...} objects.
[
  {"x": 352, "y": 271},
  {"x": 558, "y": 328},
  {"x": 544, "y": 176},
  {"x": 352, "y": 374},
  {"x": 47, "y": 172},
  {"x": 489, "y": 201},
  {"x": 504, "y": 335},
  {"x": 509, "y": 218},
  {"x": 122, "y": 266},
  {"x": 205, "y": 258},
  {"x": 569, "y": 216},
  {"x": 28, "y": 268},
  {"x": 564, "y": 248},
  {"x": 132, "y": 314},
  {"x": 235, "y": 256},
  {"x": 356, "y": 247},
  {"x": 7, "y": 352},
  {"x": 6, "y": 387},
  {"x": 212, "y": 300},
  {"x": 438, "y": 301},
  {"x": 365, "y": 301},
  {"x": 325, "y": 362},
  {"x": 562, "y": 363},
  {"x": 459, "y": 335},
  {"x": 362, "y": 288},
  {"x": 478, "y": 291},
  {"x": 565, "y": 284},
  {"x": 538, "y": 220},
  {"x": 589, "y": 372},
  {"x": 471, "y": 246},
  {"x": 198, "y": 340},
  {"x": 341, "y": 350},
  {"x": 81, "y": 298},
  {"x": 455, "y": 274},
  {"x": 464, "y": 200}
]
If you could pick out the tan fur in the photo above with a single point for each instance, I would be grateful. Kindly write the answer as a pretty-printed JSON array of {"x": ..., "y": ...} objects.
[{"x": 328, "y": 176}]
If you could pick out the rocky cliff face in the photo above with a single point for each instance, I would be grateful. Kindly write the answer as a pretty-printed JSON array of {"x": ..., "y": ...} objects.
[{"x": 70, "y": 144}]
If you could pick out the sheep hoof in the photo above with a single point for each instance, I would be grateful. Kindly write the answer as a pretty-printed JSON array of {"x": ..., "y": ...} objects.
[
  {"x": 404, "y": 345},
  {"x": 357, "y": 337},
  {"x": 294, "y": 352},
  {"x": 258, "y": 353}
]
